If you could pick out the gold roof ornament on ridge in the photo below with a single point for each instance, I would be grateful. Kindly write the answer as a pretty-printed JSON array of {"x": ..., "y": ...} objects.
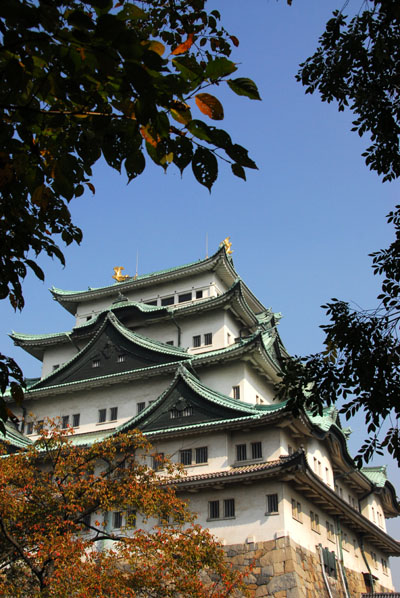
[
  {"x": 118, "y": 276},
  {"x": 227, "y": 244}
]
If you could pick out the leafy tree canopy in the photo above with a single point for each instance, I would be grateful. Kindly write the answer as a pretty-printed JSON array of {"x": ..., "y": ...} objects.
[
  {"x": 79, "y": 521},
  {"x": 81, "y": 80},
  {"x": 357, "y": 64}
]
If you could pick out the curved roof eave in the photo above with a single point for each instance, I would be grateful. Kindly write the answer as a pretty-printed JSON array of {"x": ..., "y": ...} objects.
[{"x": 69, "y": 299}]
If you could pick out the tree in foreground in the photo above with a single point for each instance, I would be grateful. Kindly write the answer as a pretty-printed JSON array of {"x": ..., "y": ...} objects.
[
  {"x": 357, "y": 65},
  {"x": 85, "y": 79},
  {"x": 57, "y": 502}
]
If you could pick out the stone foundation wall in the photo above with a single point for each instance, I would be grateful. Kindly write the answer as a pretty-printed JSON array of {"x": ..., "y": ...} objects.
[{"x": 283, "y": 569}]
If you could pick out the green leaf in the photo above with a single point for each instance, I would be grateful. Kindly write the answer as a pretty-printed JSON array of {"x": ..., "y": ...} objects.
[
  {"x": 36, "y": 269},
  {"x": 218, "y": 68},
  {"x": 244, "y": 87},
  {"x": 183, "y": 152},
  {"x": 240, "y": 155},
  {"x": 200, "y": 130},
  {"x": 134, "y": 165},
  {"x": 238, "y": 171},
  {"x": 205, "y": 167}
]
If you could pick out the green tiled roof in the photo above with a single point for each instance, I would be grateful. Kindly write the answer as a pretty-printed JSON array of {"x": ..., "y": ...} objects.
[
  {"x": 377, "y": 475},
  {"x": 246, "y": 410},
  {"x": 326, "y": 420},
  {"x": 35, "y": 337},
  {"x": 14, "y": 437},
  {"x": 120, "y": 285}
]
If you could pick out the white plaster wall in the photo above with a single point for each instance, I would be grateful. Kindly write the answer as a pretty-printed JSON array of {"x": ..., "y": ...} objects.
[
  {"x": 303, "y": 534},
  {"x": 250, "y": 522},
  {"x": 222, "y": 377},
  {"x": 269, "y": 437},
  {"x": 257, "y": 386},
  {"x": 87, "y": 403},
  {"x": 57, "y": 356},
  {"x": 316, "y": 450},
  {"x": 217, "y": 445},
  {"x": 371, "y": 507},
  {"x": 209, "y": 282}
]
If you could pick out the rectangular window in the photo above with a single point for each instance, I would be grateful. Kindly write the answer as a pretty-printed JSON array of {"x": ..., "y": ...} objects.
[
  {"x": 176, "y": 413},
  {"x": 327, "y": 476},
  {"x": 96, "y": 363},
  {"x": 213, "y": 509},
  {"x": 197, "y": 341},
  {"x": 202, "y": 454},
  {"x": 170, "y": 343},
  {"x": 65, "y": 421},
  {"x": 199, "y": 294},
  {"x": 158, "y": 461},
  {"x": 186, "y": 456},
  {"x": 241, "y": 452},
  {"x": 236, "y": 392},
  {"x": 113, "y": 413},
  {"x": 39, "y": 426},
  {"x": 117, "y": 519},
  {"x": 290, "y": 450},
  {"x": 374, "y": 561},
  {"x": 184, "y": 297},
  {"x": 29, "y": 428},
  {"x": 329, "y": 562},
  {"x": 229, "y": 507},
  {"x": 208, "y": 338},
  {"x": 345, "y": 542},
  {"x": 140, "y": 406},
  {"x": 76, "y": 418},
  {"x": 153, "y": 302},
  {"x": 272, "y": 504},
  {"x": 296, "y": 510},
  {"x": 314, "y": 517},
  {"x": 131, "y": 518},
  {"x": 256, "y": 450},
  {"x": 167, "y": 301},
  {"x": 102, "y": 415},
  {"x": 330, "y": 531},
  {"x": 121, "y": 358},
  {"x": 384, "y": 566}
]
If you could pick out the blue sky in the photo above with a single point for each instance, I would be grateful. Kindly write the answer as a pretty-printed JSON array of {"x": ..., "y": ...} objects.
[{"x": 301, "y": 226}]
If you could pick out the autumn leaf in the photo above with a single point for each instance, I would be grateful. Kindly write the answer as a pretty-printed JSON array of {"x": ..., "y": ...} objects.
[
  {"x": 144, "y": 131},
  {"x": 184, "y": 47},
  {"x": 156, "y": 47},
  {"x": 181, "y": 113},
  {"x": 210, "y": 106}
]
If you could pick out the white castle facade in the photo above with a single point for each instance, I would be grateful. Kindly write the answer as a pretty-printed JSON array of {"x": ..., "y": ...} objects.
[{"x": 190, "y": 356}]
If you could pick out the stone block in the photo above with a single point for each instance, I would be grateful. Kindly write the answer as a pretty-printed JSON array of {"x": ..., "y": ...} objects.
[
  {"x": 261, "y": 591},
  {"x": 267, "y": 570},
  {"x": 279, "y": 568},
  {"x": 266, "y": 559},
  {"x": 282, "y": 582},
  {"x": 281, "y": 594},
  {"x": 289, "y": 566}
]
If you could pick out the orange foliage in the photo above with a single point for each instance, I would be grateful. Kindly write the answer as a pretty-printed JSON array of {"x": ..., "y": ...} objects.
[{"x": 49, "y": 549}]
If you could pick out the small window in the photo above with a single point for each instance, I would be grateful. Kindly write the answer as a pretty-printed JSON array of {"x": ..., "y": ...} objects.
[
  {"x": 197, "y": 341},
  {"x": 65, "y": 421},
  {"x": 330, "y": 530},
  {"x": 29, "y": 428},
  {"x": 229, "y": 507},
  {"x": 199, "y": 294},
  {"x": 56, "y": 366},
  {"x": 384, "y": 566},
  {"x": 236, "y": 392},
  {"x": 241, "y": 452},
  {"x": 140, "y": 406},
  {"x": 153, "y": 302},
  {"x": 170, "y": 343},
  {"x": 296, "y": 510},
  {"x": 213, "y": 509},
  {"x": 121, "y": 358},
  {"x": 117, "y": 519},
  {"x": 102, "y": 415},
  {"x": 329, "y": 558},
  {"x": 184, "y": 297},
  {"x": 76, "y": 418},
  {"x": 167, "y": 301},
  {"x": 186, "y": 456},
  {"x": 314, "y": 518},
  {"x": 290, "y": 450},
  {"x": 113, "y": 413},
  {"x": 96, "y": 363},
  {"x": 176, "y": 413},
  {"x": 345, "y": 542},
  {"x": 202, "y": 454},
  {"x": 272, "y": 504},
  {"x": 88, "y": 318},
  {"x": 374, "y": 561},
  {"x": 39, "y": 426},
  {"x": 131, "y": 518},
  {"x": 158, "y": 461},
  {"x": 256, "y": 450},
  {"x": 208, "y": 338}
]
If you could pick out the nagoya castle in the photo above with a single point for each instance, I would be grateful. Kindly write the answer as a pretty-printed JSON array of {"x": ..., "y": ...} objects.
[{"x": 191, "y": 357}]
